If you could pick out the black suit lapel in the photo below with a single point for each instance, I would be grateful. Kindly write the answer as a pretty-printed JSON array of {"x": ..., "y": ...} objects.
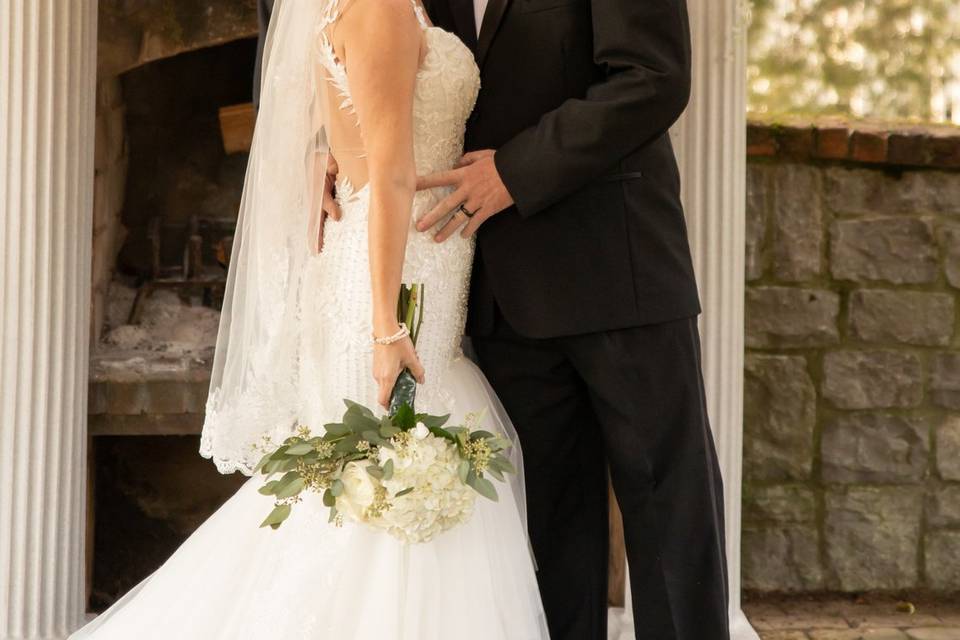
[
  {"x": 466, "y": 24},
  {"x": 491, "y": 22}
]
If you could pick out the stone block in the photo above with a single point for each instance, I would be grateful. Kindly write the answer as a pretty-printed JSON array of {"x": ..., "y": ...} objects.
[
  {"x": 942, "y": 551},
  {"x": 943, "y": 506},
  {"x": 872, "y": 535},
  {"x": 872, "y": 379},
  {"x": 909, "y": 317},
  {"x": 758, "y": 197},
  {"x": 948, "y": 448},
  {"x": 875, "y": 448},
  {"x": 950, "y": 242},
  {"x": 945, "y": 379},
  {"x": 865, "y": 192},
  {"x": 895, "y": 250},
  {"x": 779, "y": 504},
  {"x": 852, "y": 192},
  {"x": 797, "y": 223},
  {"x": 791, "y": 317},
  {"x": 781, "y": 558},
  {"x": 780, "y": 413}
]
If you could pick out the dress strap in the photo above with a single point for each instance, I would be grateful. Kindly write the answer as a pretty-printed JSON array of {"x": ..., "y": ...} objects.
[{"x": 421, "y": 18}]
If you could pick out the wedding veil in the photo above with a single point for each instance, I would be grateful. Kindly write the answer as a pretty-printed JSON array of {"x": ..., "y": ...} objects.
[{"x": 254, "y": 383}]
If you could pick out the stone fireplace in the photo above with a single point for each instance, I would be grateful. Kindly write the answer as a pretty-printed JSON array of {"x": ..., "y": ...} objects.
[{"x": 166, "y": 196}]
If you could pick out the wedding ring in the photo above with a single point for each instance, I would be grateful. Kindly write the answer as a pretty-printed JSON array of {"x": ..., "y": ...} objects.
[{"x": 463, "y": 209}]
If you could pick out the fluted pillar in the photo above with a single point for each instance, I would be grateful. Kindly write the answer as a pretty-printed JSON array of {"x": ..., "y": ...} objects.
[
  {"x": 47, "y": 80},
  {"x": 710, "y": 142},
  {"x": 711, "y": 147}
]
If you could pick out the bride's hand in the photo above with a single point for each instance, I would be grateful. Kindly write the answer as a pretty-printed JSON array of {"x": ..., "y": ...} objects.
[{"x": 389, "y": 361}]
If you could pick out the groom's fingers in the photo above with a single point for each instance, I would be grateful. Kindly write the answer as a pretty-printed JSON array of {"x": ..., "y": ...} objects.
[
  {"x": 441, "y": 210},
  {"x": 439, "y": 179},
  {"x": 454, "y": 223},
  {"x": 473, "y": 156}
]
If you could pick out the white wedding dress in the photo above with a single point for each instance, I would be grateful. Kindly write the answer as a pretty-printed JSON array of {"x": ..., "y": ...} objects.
[{"x": 294, "y": 342}]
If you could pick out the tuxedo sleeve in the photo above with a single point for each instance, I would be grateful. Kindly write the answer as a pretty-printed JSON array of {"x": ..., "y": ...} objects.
[{"x": 643, "y": 48}]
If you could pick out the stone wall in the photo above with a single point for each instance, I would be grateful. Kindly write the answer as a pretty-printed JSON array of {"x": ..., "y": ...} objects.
[
  {"x": 852, "y": 395},
  {"x": 110, "y": 175}
]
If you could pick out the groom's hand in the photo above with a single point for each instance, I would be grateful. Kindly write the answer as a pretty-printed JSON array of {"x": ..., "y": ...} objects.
[{"x": 477, "y": 186}]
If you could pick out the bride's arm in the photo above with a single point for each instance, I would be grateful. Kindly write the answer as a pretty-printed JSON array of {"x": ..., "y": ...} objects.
[{"x": 382, "y": 54}]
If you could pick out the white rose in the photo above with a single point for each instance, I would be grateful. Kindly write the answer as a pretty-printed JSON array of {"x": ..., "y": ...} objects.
[{"x": 358, "y": 490}]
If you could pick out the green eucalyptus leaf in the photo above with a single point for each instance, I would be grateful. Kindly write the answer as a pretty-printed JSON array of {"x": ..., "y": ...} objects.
[
  {"x": 268, "y": 488},
  {"x": 336, "y": 430},
  {"x": 482, "y": 435},
  {"x": 348, "y": 444},
  {"x": 463, "y": 469},
  {"x": 375, "y": 471},
  {"x": 388, "y": 470},
  {"x": 263, "y": 461},
  {"x": 329, "y": 500},
  {"x": 333, "y": 514},
  {"x": 485, "y": 488},
  {"x": 337, "y": 488},
  {"x": 280, "y": 513},
  {"x": 432, "y": 421},
  {"x": 291, "y": 489},
  {"x": 503, "y": 464},
  {"x": 356, "y": 407},
  {"x": 404, "y": 492},
  {"x": 300, "y": 449},
  {"x": 496, "y": 473}
]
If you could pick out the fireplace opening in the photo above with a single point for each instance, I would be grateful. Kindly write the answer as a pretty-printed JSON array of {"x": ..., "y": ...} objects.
[{"x": 177, "y": 192}]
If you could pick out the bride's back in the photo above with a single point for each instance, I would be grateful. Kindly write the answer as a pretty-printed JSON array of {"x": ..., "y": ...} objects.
[{"x": 337, "y": 353}]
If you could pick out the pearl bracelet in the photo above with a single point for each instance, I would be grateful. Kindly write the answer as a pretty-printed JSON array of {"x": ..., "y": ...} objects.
[{"x": 397, "y": 337}]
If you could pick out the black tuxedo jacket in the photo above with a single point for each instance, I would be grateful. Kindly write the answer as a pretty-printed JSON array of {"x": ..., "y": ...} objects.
[{"x": 577, "y": 97}]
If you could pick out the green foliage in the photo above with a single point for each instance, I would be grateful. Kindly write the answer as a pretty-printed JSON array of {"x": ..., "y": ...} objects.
[{"x": 884, "y": 59}]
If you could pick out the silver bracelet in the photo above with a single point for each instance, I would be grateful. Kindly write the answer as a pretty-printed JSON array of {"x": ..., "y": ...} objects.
[{"x": 397, "y": 337}]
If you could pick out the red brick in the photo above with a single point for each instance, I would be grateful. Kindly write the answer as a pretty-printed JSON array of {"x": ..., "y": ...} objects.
[
  {"x": 944, "y": 150},
  {"x": 833, "y": 143},
  {"x": 907, "y": 148},
  {"x": 869, "y": 146},
  {"x": 760, "y": 140},
  {"x": 796, "y": 141}
]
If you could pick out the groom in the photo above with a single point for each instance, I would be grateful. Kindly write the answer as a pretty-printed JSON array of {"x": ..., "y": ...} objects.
[{"x": 583, "y": 304}]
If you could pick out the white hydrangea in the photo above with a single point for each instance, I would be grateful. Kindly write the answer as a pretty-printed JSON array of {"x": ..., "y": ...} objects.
[{"x": 439, "y": 500}]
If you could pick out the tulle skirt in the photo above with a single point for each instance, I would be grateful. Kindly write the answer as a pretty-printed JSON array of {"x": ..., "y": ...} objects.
[{"x": 311, "y": 580}]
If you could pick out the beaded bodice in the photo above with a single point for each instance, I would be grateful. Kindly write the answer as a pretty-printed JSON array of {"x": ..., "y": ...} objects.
[{"x": 336, "y": 362}]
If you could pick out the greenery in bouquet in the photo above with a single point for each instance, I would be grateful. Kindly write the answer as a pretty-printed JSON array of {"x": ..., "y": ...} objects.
[{"x": 408, "y": 473}]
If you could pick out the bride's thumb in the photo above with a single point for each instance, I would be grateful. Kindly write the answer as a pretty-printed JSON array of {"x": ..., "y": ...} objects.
[{"x": 418, "y": 372}]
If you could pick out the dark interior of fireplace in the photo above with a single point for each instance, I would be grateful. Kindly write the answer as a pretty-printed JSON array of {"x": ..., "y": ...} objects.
[{"x": 151, "y": 489}]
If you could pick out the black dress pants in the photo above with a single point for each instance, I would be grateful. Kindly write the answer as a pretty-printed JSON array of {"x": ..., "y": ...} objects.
[{"x": 629, "y": 403}]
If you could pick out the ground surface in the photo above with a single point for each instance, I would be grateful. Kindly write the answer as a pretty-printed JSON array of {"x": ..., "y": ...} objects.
[{"x": 863, "y": 618}]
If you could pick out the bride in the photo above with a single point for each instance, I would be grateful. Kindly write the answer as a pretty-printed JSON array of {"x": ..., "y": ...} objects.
[{"x": 372, "y": 84}]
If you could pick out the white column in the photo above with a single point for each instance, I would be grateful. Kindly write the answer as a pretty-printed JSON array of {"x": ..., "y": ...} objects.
[
  {"x": 47, "y": 80},
  {"x": 711, "y": 147}
]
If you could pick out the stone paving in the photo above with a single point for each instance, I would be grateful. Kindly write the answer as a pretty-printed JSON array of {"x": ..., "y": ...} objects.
[{"x": 872, "y": 618}]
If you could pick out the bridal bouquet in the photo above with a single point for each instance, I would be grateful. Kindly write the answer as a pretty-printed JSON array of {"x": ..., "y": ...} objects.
[{"x": 409, "y": 474}]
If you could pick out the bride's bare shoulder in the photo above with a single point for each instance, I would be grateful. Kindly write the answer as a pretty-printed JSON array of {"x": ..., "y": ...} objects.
[
  {"x": 367, "y": 25},
  {"x": 396, "y": 15}
]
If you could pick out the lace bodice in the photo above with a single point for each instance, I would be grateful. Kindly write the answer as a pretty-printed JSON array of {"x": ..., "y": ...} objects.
[{"x": 335, "y": 353}]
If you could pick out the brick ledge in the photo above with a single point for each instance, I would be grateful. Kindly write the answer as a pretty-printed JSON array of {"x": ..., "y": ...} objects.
[{"x": 834, "y": 140}]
